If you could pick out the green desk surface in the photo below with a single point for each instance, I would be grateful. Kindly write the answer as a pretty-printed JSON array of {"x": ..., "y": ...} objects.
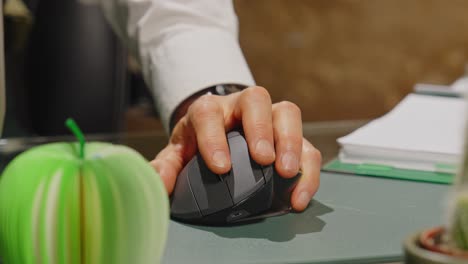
[{"x": 352, "y": 219}]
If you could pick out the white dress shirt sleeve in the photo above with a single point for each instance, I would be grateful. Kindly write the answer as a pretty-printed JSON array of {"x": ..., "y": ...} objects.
[{"x": 183, "y": 46}]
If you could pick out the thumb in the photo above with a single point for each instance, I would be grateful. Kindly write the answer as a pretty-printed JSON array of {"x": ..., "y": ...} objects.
[{"x": 171, "y": 160}]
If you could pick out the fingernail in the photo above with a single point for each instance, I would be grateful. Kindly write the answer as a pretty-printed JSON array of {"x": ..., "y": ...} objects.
[
  {"x": 303, "y": 199},
  {"x": 220, "y": 159},
  {"x": 264, "y": 148},
  {"x": 290, "y": 162}
]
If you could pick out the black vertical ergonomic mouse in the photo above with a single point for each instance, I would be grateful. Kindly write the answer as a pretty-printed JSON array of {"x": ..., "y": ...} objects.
[{"x": 248, "y": 191}]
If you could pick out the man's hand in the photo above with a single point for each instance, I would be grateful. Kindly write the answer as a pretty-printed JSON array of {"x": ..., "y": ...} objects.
[{"x": 273, "y": 134}]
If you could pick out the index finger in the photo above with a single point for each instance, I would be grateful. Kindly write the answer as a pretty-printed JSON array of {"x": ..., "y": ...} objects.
[{"x": 207, "y": 118}]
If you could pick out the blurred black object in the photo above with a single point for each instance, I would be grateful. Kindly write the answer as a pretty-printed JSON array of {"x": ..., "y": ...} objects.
[{"x": 72, "y": 65}]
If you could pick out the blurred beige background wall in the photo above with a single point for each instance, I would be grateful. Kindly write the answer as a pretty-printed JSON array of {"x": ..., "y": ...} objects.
[{"x": 352, "y": 59}]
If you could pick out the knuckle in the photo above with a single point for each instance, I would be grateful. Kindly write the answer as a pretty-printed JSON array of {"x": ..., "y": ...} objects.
[
  {"x": 318, "y": 156},
  {"x": 205, "y": 105},
  {"x": 297, "y": 139},
  {"x": 289, "y": 107},
  {"x": 262, "y": 127},
  {"x": 290, "y": 142},
  {"x": 211, "y": 145},
  {"x": 257, "y": 93},
  {"x": 314, "y": 153}
]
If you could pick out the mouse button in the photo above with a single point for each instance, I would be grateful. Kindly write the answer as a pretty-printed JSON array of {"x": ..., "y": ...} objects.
[
  {"x": 246, "y": 175},
  {"x": 211, "y": 194},
  {"x": 183, "y": 203},
  {"x": 268, "y": 172}
]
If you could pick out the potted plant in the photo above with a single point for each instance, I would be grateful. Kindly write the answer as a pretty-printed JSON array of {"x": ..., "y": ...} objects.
[{"x": 449, "y": 243}]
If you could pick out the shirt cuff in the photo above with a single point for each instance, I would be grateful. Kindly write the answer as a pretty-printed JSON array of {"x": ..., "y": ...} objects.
[{"x": 191, "y": 61}]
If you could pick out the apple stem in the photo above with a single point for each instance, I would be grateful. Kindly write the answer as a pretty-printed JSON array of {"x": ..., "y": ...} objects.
[{"x": 75, "y": 129}]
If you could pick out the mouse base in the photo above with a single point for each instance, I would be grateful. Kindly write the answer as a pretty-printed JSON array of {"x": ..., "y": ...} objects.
[{"x": 249, "y": 208}]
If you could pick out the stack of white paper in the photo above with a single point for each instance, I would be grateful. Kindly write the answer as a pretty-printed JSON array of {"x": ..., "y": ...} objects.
[{"x": 421, "y": 133}]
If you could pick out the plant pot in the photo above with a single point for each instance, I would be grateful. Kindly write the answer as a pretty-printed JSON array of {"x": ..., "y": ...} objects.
[{"x": 426, "y": 247}]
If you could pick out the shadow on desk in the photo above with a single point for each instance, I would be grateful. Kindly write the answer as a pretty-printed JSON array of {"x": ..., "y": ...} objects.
[{"x": 278, "y": 229}]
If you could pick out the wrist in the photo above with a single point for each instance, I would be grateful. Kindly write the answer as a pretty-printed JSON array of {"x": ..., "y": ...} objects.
[{"x": 222, "y": 89}]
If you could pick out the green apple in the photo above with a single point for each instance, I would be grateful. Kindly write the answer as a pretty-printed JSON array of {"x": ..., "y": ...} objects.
[{"x": 62, "y": 204}]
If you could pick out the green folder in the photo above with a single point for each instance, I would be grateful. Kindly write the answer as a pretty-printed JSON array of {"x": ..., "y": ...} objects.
[{"x": 375, "y": 170}]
